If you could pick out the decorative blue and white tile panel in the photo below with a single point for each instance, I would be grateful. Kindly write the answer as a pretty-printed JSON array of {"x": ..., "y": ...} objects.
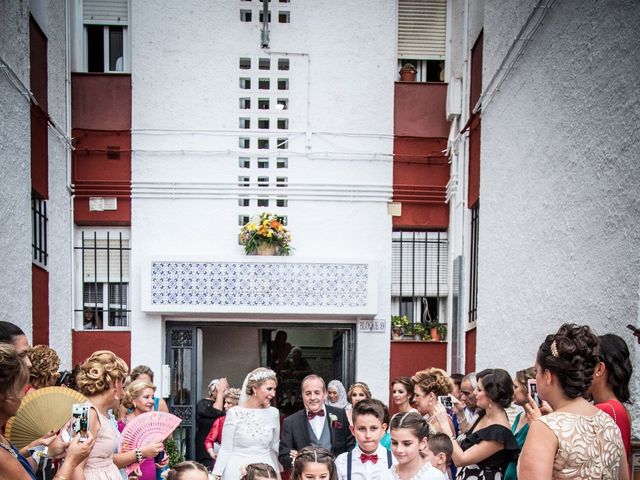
[{"x": 268, "y": 286}]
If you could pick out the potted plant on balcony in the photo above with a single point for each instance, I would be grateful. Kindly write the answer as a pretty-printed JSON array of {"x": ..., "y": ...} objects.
[
  {"x": 420, "y": 332},
  {"x": 265, "y": 234},
  {"x": 408, "y": 73},
  {"x": 442, "y": 331},
  {"x": 434, "y": 332},
  {"x": 399, "y": 326}
]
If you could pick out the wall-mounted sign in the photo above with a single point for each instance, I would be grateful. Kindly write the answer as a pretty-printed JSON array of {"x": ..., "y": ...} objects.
[{"x": 372, "y": 325}]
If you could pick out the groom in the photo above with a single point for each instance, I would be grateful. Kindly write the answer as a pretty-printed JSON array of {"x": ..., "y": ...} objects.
[{"x": 318, "y": 424}]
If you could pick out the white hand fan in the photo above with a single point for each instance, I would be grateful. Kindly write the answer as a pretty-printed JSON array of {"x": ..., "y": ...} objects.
[
  {"x": 40, "y": 412},
  {"x": 149, "y": 427}
]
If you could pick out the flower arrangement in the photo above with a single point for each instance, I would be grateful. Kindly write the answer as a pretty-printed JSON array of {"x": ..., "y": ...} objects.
[{"x": 264, "y": 230}]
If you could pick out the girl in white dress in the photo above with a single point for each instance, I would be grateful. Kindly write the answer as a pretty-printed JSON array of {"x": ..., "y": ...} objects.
[
  {"x": 409, "y": 437},
  {"x": 251, "y": 432}
]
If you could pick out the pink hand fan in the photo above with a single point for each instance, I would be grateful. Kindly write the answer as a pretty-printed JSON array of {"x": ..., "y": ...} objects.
[{"x": 149, "y": 427}]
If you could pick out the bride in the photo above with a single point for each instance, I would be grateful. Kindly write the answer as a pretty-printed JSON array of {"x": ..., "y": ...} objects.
[{"x": 251, "y": 432}]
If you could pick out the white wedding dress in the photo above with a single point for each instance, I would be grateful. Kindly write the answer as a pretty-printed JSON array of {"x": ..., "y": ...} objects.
[{"x": 249, "y": 435}]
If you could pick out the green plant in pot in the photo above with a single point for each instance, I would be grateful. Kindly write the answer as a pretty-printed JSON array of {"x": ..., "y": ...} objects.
[
  {"x": 399, "y": 326},
  {"x": 420, "y": 332},
  {"x": 433, "y": 330},
  {"x": 408, "y": 73},
  {"x": 442, "y": 331}
]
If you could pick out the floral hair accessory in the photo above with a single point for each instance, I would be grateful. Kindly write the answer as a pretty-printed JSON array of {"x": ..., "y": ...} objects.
[
  {"x": 262, "y": 375},
  {"x": 554, "y": 349}
]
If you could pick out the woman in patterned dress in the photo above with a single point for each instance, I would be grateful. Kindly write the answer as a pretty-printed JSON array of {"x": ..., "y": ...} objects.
[
  {"x": 577, "y": 440},
  {"x": 251, "y": 432}
]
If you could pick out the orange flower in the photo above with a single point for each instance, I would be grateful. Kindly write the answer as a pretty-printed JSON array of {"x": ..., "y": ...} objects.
[{"x": 275, "y": 224}]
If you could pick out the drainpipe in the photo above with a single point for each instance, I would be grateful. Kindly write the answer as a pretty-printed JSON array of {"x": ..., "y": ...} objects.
[
  {"x": 264, "y": 37},
  {"x": 69, "y": 185}
]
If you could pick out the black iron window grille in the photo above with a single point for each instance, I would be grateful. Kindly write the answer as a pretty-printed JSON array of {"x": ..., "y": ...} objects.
[
  {"x": 473, "y": 274},
  {"x": 104, "y": 266},
  {"x": 419, "y": 273},
  {"x": 39, "y": 223}
]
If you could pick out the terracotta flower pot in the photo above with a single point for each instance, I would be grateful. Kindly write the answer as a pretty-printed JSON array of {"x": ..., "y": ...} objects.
[
  {"x": 266, "y": 249},
  {"x": 435, "y": 335},
  {"x": 407, "y": 75}
]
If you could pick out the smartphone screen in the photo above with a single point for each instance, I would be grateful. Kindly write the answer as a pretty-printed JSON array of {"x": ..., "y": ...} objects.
[
  {"x": 533, "y": 391},
  {"x": 80, "y": 420},
  {"x": 446, "y": 401}
]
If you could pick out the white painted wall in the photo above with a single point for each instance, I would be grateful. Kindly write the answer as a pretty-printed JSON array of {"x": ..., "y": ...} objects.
[
  {"x": 185, "y": 78},
  {"x": 15, "y": 169},
  {"x": 559, "y": 237}
]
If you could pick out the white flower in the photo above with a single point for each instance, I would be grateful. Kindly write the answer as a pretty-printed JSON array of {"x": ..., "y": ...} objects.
[{"x": 333, "y": 417}]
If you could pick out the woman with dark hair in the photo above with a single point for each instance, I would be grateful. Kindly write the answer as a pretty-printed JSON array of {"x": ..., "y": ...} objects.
[
  {"x": 402, "y": 394},
  {"x": 13, "y": 334},
  {"x": 520, "y": 426},
  {"x": 576, "y": 440},
  {"x": 610, "y": 387},
  {"x": 487, "y": 448}
]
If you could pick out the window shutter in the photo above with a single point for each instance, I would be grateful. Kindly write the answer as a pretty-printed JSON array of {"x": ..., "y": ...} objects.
[
  {"x": 103, "y": 263},
  {"x": 412, "y": 256},
  {"x": 422, "y": 26},
  {"x": 105, "y": 11}
]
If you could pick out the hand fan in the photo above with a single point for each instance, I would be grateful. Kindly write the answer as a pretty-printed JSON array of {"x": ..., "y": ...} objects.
[
  {"x": 149, "y": 427},
  {"x": 40, "y": 412}
]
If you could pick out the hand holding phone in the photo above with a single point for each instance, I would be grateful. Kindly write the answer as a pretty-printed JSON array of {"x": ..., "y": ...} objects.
[
  {"x": 446, "y": 401},
  {"x": 80, "y": 420},
  {"x": 532, "y": 385}
]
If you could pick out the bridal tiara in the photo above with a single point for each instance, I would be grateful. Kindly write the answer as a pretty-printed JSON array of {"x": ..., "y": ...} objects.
[{"x": 262, "y": 375}]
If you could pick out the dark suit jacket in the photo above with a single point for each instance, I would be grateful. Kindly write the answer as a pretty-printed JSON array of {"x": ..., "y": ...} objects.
[{"x": 295, "y": 434}]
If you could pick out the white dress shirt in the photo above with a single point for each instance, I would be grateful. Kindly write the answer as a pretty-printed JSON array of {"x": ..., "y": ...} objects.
[
  {"x": 367, "y": 470},
  {"x": 318, "y": 423}
]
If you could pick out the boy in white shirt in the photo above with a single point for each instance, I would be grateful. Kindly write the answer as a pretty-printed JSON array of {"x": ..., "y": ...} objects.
[{"x": 368, "y": 460}]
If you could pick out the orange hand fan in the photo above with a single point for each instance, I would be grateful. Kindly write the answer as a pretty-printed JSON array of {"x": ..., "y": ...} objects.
[
  {"x": 148, "y": 427},
  {"x": 40, "y": 412}
]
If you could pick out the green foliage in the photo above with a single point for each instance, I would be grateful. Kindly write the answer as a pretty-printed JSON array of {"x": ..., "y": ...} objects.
[
  {"x": 172, "y": 451},
  {"x": 398, "y": 321}
]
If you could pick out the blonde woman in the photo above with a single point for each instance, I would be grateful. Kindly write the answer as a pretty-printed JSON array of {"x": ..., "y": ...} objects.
[
  {"x": 251, "y": 432},
  {"x": 44, "y": 367},
  {"x": 357, "y": 391},
  {"x": 100, "y": 379},
  {"x": 231, "y": 399},
  {"x": 428, "y": 385},
  {"x": 138, "y": 399}
]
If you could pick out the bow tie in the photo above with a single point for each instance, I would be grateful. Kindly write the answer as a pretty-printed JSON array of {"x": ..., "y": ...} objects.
[
  {"x": 312, "y": 415},
  {"x": 364, "y": 458}
]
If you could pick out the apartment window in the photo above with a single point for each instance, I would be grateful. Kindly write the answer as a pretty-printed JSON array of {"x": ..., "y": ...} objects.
[
  {"x": 282, "y": 162},
  {"x": 264, "y": 84},
  {"x": 263, "y": 123},
  {"x": 473, "y": 274},
  {"x": 281, "y": 181},
  {"x": 245, "y": 103},
  {"x": 245, "y": 63},
  {"x": 245, "y": 15},
  {"x": 105, "y": 50},
  {"x": 263, "y": 104},
  {"x": 283, "y": 64},
  {"x": 264, "y": 64},
  {"x": 243, "y": 219},
  {"x": 283, "y": 143},
  {"x": 244, "y": 162},
  {"x": 284, "y": 17},
  {"x": 244, "y": 142},
  {"x": 263, "y": 202},
  {"x": 39, "y": 221},
  {"x": 245, "y": 122},
  {"x": 263, "y": 163},
  {"x": 282, "y": 104},
  {"x": 245, "y": 83},
  {"x": 262, "y": 16},
  {"x": 102, "y": 258},
  {"x": 284, "y": 1},
  {"x": 283, "y": 84},
  {"x": 418, "y": 272},
  {"x": 244, "y": 202},
  {"x": 263, "y": 181},
  {"x": 263, "y": 143},
  {"x": 426, "y": 70},
  {"x": 243, "y": 181},
  {"x": 281, "y": 202},
  {"x": 283, "y": 124}
]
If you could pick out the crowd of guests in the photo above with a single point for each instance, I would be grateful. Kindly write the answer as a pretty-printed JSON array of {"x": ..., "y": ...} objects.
[{"x": 482, "y": 425}]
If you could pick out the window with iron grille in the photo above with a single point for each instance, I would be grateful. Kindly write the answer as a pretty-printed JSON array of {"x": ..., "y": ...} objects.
[
  {"x": 473, "y": 264},
  {"x": 102, "y": 262},
  {"x": 39, "y": 221},
  {"x": 419, "y": 274}
]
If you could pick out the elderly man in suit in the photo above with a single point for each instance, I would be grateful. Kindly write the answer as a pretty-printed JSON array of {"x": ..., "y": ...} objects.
[{"x": 318, "y": 424}]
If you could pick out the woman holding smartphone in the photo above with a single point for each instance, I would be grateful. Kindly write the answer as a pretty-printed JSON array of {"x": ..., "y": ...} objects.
[{"x": 520, "y": 426}]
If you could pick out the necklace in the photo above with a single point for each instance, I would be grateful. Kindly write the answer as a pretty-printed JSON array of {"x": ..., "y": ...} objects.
[{"x": 8, "y": 448}]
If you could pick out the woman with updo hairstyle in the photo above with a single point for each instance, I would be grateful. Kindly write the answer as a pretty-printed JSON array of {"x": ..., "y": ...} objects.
[
  {"x": 251, "y": 431},
  {"x": 14, "y": 375},
  {"x": 402, "y": 394},
  {"x": 577, "y": 440},
  {"x": 357, "y": 391},
  {"x": 428, "y": 385},
  {"x": 520, "y": 426},
  {"x": 188, "y": 470},
  {"x": 487, "y": 448},
  {"x": 610, "y": 386},
  {"x": 44, "y": 367},
  {"x": 100, "y": 379}
]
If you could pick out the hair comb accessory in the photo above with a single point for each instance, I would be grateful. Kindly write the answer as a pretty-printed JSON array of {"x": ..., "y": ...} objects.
[{"x": 554, "y": 349}]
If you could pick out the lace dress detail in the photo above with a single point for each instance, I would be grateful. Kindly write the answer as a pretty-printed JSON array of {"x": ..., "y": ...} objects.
[
  {"x": 427, "y": 472},
  {"x": 249, "y": 435},
  {"x": 588, "y": 447}
]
